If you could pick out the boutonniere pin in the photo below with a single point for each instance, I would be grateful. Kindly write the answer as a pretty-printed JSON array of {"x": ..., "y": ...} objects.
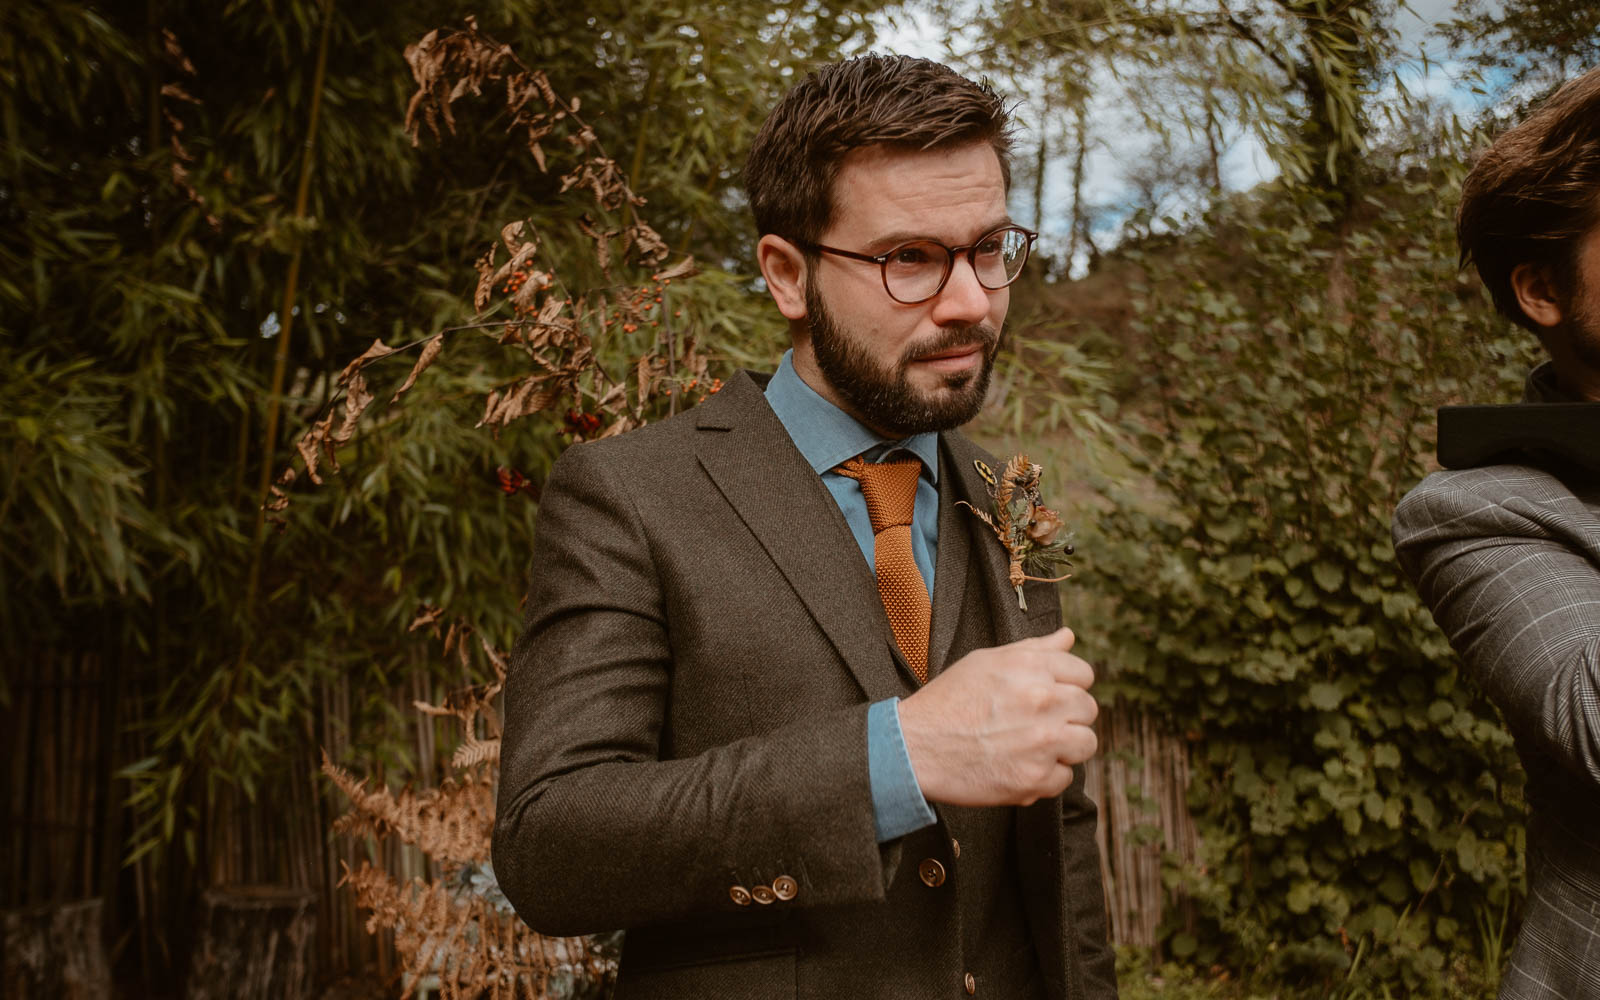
[{"x": 1030, "y": 531}]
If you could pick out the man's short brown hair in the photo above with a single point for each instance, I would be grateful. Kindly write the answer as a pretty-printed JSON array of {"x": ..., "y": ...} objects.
[
  {"x": 873, "y": 100},
  {"x": 1534, "y": 194}
]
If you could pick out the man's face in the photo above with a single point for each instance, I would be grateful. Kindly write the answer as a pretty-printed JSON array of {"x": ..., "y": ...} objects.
[{"x": 903, "y": 369}]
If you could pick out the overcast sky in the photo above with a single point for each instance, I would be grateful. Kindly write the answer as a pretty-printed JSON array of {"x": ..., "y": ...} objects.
[{"x": 1120, "y": 139}]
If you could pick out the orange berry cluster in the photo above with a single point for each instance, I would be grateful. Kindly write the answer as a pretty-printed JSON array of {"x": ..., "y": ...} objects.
[
  {"x": 713, "y": 386},
  {"x": 581, "y": 422},
  {"x": 644, "y": 300},
  {"x": 518, "y": 278}
]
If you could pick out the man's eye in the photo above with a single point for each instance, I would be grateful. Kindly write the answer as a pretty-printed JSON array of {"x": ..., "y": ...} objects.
[
  {"x": 991, "y": 247},
  {"x": 910, "y": 256}
]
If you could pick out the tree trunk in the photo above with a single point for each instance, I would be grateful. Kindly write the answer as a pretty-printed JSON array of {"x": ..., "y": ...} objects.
[
  {"x": 54, "y": 951},
  {"x": 255, "y": 943}
]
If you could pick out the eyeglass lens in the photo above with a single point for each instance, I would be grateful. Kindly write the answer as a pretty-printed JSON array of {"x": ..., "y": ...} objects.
[{"x": 914, "y": 271}]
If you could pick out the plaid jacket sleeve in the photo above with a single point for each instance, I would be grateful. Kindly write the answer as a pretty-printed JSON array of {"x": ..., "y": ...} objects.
[{"x": 1508, "y": 559}]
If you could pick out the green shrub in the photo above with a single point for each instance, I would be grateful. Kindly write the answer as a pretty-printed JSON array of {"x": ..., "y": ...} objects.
[{"x": 1358, "y": 804}]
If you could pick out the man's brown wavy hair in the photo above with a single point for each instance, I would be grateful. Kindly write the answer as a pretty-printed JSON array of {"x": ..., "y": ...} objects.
[
  {"x": 1534, "y": 194},
  {"x": 897, "y": 101}
]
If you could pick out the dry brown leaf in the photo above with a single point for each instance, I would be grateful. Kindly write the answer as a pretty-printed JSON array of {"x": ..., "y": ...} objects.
[
  {"x": 489, "y": 404},
  {"x": 430, "y": 351},
  {"x": 532, "y": 285},
  {"x": 524, "y": 254},
  {"x": 434, "y": 710},
  {"x": 378, "y": 350},
  {"x": 498, "y": 659},
  {"x": 652, "y": 248},
  {"x": 419, "y": 56},
  {"x": 311, "y": 444},
  {"x": 642, "y": 375},
  {"x": 685, "y": 268},
  {"x": 511, "y": 235},
  {"x": 427, "y": 617},
  {"x": 177, "y": 93},
  {"x": 356, "y": 400},
  {"x": 550, "y": 310},
  {"x": 169, "y": 41},
  {"x": 482, "y": 295},
  {"x": 622, "y": 424}
]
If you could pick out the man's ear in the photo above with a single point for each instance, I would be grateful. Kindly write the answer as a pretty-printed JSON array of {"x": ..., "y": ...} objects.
[
  {"x": 1536, "y": 294},
  {"x": 784, "y": 268}
]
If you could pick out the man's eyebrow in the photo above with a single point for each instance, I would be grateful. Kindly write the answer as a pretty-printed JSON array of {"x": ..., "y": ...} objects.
[{"x": 889, "y": 241}]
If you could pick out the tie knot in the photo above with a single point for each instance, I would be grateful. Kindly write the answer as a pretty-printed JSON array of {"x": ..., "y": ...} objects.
[{"x": 890, "y": 489}]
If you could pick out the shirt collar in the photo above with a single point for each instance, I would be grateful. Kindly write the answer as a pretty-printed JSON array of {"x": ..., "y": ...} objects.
[{"x": 827, "y": 436}]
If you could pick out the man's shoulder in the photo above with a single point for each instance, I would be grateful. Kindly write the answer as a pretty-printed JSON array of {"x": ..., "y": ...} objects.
[
  {"x": 1492, "y": 500},
  {"x": 1493, "y": 484},
  {"x": 727, "y": 408}
]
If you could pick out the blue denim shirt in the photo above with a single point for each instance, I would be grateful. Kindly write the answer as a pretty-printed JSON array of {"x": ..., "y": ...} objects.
[{"x": 827, "y": 436}]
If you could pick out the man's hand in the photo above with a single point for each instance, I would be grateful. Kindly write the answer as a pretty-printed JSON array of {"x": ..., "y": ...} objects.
[{"x": 1002, "y": 726}]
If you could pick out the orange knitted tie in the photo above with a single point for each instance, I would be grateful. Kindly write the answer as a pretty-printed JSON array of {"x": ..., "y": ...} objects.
[{"x": 890, "y": 489}]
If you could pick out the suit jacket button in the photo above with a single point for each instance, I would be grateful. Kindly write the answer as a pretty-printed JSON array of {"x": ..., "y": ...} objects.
[
  {"x": 931, "y": 872},
  {"x": 955, "y": 848},
  {"x": 763, "y": 894},
  {"x": 785, "y": 888},
  {"x": 740, "y": 895},
  {"x": 971, "y": 984}
]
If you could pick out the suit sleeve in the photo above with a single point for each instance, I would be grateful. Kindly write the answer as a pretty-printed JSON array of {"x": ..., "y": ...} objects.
[
  {"x": 593, "y": 830},
  {"x": 1519, "y": 598}
]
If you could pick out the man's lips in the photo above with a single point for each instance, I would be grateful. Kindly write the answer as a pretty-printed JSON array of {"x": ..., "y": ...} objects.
[{"x": 954, "y": 357}]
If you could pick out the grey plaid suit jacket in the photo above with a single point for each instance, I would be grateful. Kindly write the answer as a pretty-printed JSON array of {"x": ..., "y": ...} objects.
[
  {"x": 686, "y": 726},
  {"x": 1508, "y": 559}
]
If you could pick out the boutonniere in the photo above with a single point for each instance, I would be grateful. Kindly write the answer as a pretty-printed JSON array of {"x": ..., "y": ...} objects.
[{"x": 1030, "y": 531}]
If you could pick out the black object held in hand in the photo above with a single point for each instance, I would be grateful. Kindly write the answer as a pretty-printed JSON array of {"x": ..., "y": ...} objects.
[{"x": 1546, "y": 435}]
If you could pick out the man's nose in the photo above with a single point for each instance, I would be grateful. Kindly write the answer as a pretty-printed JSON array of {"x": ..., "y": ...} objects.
[{"x": 962, "y": 299}]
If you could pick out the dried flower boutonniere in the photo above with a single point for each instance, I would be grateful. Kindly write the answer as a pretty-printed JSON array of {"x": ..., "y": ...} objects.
[{"x": 1030, "y": 531}]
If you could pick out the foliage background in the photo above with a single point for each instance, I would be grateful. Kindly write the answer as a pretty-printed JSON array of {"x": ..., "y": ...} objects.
[{"x": 1233, "y": 395}]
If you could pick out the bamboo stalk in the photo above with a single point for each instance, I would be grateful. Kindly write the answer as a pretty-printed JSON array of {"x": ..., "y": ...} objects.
[{"x": 280, "y": 361}]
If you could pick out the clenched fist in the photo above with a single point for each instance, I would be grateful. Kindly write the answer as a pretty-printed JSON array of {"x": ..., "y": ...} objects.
[{"x": 1002, "y": 726}]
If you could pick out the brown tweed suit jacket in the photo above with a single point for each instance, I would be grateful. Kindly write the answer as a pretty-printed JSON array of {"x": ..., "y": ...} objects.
[{"x": 686, "y": 714}]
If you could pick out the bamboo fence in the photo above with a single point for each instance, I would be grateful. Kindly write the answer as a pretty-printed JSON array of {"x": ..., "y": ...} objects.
[
  {"x": 1140, "y": 779},
  {"x": 63, "y": 839}
]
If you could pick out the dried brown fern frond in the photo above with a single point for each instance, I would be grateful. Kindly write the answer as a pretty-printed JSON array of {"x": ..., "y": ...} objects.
[
  {"x": 473, "y": 752},
  {"x": 473, "y": 946},
  {"x": 451, "y": 823}
]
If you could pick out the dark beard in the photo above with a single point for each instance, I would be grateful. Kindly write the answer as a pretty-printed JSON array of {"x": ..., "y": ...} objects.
[
  {"x": 885, "y": 400},
  {"x": 1581, "y": 323}
]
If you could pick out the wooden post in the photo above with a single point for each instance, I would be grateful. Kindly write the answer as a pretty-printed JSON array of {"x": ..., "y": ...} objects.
[
  {"x": 54, "y": 950},
  {"x": 254, "y": 943}
]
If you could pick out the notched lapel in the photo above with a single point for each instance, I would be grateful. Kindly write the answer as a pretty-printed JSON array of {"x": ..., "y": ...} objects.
[{"x": 747, "y": 453}]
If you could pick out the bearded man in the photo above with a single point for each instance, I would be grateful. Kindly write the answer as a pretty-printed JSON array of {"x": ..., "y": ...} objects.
[
  {"x": 1508, "y": 556},
  {"x": 777, "y": 710}
]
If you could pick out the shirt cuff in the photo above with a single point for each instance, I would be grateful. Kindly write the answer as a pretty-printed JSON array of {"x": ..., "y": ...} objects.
[{"x": 897, "y": 803}]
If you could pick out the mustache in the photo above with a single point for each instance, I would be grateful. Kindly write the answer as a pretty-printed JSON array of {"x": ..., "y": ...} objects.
[{"x": 951, "y": 338}]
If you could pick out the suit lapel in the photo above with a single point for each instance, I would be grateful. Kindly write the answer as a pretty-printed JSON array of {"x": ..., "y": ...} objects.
[
  {"x": 1038, "y": 830},
  {"x": 753, "y": 462},
  {"x": 952, "y": 568}
]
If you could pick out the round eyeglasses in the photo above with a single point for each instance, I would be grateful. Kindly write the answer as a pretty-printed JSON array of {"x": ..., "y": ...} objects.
[{"x": 916, "y": 271}]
